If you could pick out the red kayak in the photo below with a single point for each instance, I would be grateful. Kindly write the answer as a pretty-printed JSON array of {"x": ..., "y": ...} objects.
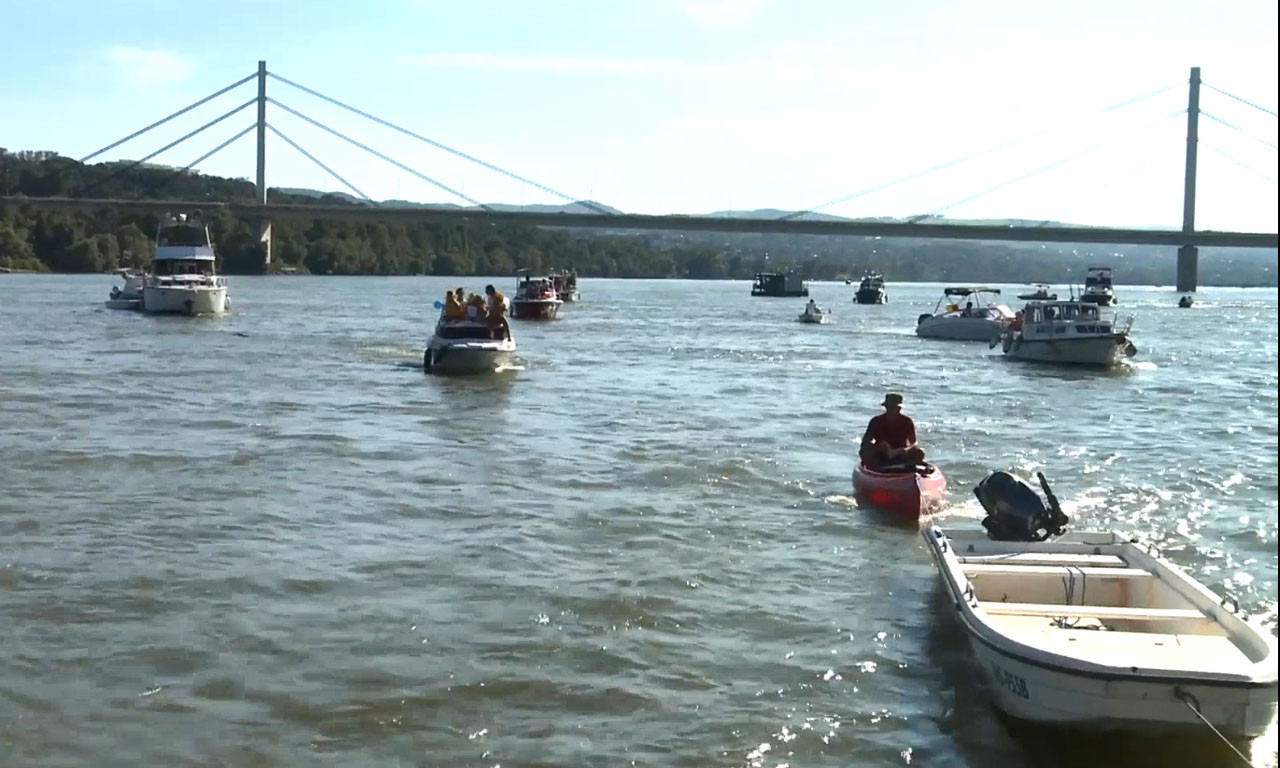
[{"x": 905, "y": 494}]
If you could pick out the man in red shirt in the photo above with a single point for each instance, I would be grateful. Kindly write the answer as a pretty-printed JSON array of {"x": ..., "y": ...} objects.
[{"x": 890, "y": 437}]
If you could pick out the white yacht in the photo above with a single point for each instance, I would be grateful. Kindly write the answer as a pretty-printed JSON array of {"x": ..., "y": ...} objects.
[
  {"x": 184, "y": 278},
  {"x": 1097, "y": 287},
  {"x": 1070, "y": 332},
  {"x": 465, "y": 347},
  {"x": 128, "y": 295},
  {"x": 980, "y": 318}
]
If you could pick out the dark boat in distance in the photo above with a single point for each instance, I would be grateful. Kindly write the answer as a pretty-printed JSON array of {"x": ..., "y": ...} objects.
[
  {"x": 1041, "y": 293},
  {"x": 535, "y": 299},
  {"x": 779, "y": 284},
  {"x": 871, "y": 289},
  {"x": 1097, "y": 287}
]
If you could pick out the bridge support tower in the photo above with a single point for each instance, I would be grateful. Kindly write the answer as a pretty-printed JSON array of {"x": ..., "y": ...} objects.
[
  {"x": 264, "y": 224},
  {"x": 1188, "y": 254}
]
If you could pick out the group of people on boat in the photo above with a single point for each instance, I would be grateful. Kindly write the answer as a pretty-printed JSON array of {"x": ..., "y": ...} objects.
[{"x": 490, "y": 310}]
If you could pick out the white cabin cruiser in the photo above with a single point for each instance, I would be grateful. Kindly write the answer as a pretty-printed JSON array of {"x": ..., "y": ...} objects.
[
  {"x": 1092, "y": 629},
  {"x": 128, "y": 295},
  {"x": 1097, "y": 287},
  {"x": 812, "y": 314},
  {"x": 184, "y": 277},
  {"x": 1069, "y": 332},
  {"x": 465, "y": 347},
  {"x": 980, "y": 319}
]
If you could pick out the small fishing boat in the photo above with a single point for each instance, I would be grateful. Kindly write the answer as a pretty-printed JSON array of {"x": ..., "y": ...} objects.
[
  {"x": 1092, "y": 629},
  {"x": 466, "y": 347},
  {"x": 908, "y": 492},
  {"x": 128, "y": 295},
  {"x": 535, "y": 299},
  {"x": 980, "y": 319},
  {"x": 1041, "y": 293},
  {"x": 871, "y": 290},
  {"x": 1067, "y": 332},
  {"x": 812, "y": 314},
  {"x": 1097, "y": 287},
  {"x": 1186, "y": 302}
]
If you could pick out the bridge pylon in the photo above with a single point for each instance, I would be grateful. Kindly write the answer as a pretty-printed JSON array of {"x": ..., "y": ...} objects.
[
  {"x": 264, "y": 224},
  {"x": 1188, "y": 254}
]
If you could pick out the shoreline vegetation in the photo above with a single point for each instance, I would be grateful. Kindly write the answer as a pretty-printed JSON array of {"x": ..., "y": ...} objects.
[{"x": 34, "y": 240}]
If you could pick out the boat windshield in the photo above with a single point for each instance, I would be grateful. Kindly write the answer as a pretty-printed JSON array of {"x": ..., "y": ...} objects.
[{"x": 165, "y": 267}]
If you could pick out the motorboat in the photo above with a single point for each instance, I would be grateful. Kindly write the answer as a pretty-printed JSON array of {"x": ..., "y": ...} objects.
[
  {"x": 535, "y": 299},
  {"x": 907, "y": 493},
  {"x": 871, "y": 290},
  {"x": 1092, "y": 629},
  {"x": 812, "y": 314},
  {"x": 779, "y": 284},
  {"x": 979, "y": 319},
  {"x": 184, "y": 278},
  {"x": 466, "y": 347},
  {"x": 566, "y": 284},
  {"x": 1068, "y": 332},
  {"x": 1186, "y": 302},
  {"x": 1041, "y": 293},
  {"x": 128, "y": 295},
  {"x": 1097, "y": 287}
]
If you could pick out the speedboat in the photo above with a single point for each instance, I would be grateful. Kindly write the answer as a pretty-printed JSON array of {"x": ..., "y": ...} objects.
[
  {"x": 535, "y": 299},
  {"x": 184, "y": 277},
  {"x": 1097, "y": 287},
  {"x": 812, "y": 314},
  {"x": 871, "y": 289},
  {"x": 465, "y": 347},
  {"x": 1041, "y": 293},
  {"x": 1092, "y": 629},
  {"x": 128, "y": 295},
  {"x": 1069, "y": 332},
  {"x": 904, "y": 492},
  {"x": 980, "y": 319}
]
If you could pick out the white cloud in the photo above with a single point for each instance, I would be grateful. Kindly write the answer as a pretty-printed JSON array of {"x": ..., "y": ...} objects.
[
  {"x": 720, "y": 14},
  {"x": 142, "y": 67}
]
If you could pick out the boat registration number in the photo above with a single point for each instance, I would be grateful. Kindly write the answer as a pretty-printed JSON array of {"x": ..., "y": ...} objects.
[{"x": 1012, "y": 683}]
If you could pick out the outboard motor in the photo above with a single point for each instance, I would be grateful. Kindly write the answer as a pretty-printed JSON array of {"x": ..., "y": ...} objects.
[{"x": 1015, "y": 511}]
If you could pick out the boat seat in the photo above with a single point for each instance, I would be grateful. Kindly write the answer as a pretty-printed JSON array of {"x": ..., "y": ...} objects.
[
  {"x": 1088, "y": 572},
  {"x": 1100, "y": 612},
  {"x": 1047, "y": 558}
]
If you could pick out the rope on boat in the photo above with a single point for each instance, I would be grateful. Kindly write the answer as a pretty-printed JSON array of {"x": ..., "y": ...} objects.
[{"x": 1194, "y": 705}]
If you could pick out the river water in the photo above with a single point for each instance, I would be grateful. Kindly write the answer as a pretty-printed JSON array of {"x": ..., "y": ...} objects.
[{"x": 268, "y": 539}]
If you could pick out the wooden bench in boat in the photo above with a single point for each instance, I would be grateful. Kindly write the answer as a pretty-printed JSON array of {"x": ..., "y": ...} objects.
[
  {"x": 1088, "y": 572},
  {"x": 1047, "y": 558},
  {"x": 1099, "y": 612}
]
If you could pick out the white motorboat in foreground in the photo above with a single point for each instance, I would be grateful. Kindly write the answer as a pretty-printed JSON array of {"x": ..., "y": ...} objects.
[
  {"x": 1091, "y": 629},
  {"x": 980, "y": 319},
  {"x": 1068, "y": 332},
  {"x": 128, "y": 295},
  {"x": 184, "y": 277},
  {"x": 466, "y": 347}
]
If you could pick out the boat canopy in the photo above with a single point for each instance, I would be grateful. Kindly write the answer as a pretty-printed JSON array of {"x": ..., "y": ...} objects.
[{"x": 961, "y": 290}]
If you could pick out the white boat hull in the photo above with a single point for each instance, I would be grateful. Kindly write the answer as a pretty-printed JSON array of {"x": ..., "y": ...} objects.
[
  {"x": 959, "y": 328},
  {"x": 1099, "y": 351},
  {"x": 1091, "y": 630},
  {"x": 819, "y": 319},
  {"x": 467, "y": 357},
  {"x": 184, "y": 301},
  {"x": 134, "y": 304}
]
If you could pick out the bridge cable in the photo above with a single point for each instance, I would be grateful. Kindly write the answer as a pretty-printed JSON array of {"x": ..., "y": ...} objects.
[
  {"x": 376, "y": 153},
  {"x": 177, "y": 171},
  {"x": 162, "y": 121},
  {"x": 438, "y": 145},
  {"x": 1239, "y": 99},
  {"x": 316, "y": 160},
  {"x": 1238, "y": 162},
  {"x": 165, "y": 148},
  {"x": 1037, "y": 171},
  {"x": 967, "y": 158},
  {"x": 1234, "y": 127},
  {"x": 1151, "y": 156}
]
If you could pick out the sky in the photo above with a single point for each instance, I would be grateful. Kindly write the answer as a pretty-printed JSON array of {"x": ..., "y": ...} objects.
[{"x": 685, "y": 106}]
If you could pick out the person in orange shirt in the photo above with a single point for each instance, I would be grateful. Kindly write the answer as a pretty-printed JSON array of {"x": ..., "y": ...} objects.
[
  {"x": 890, "y": 438},
  {"x": 453, "y": 310},
  {"x": 497, "y": 313}
]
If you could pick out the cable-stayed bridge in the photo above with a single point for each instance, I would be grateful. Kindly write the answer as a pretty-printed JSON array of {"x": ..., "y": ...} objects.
[{"x": 591, "y": 215}]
